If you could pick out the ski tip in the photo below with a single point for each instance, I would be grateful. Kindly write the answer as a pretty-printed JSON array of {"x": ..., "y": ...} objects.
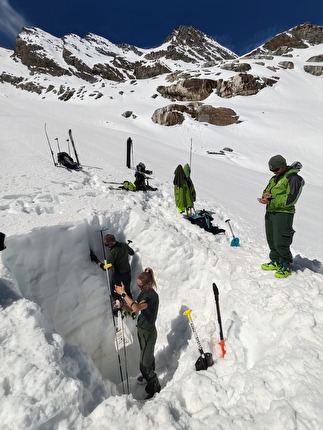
[{"x": 215, "y": 290}]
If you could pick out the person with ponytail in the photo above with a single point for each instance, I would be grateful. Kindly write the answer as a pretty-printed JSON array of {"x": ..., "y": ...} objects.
[{"x": 147, "y": 304}]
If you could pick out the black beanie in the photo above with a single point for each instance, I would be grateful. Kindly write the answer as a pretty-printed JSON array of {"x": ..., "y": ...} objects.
[{"x": 276, "y": 162}]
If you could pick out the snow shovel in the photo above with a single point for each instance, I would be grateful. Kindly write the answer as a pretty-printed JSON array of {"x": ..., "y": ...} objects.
[
  {"x": 205, "y": 360},
  {"x": 235, "y": 241}
]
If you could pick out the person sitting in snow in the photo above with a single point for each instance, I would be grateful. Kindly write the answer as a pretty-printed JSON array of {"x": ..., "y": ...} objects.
[
  {"x": 140, "y": 177},
  {"x": 141, "y": 180}
]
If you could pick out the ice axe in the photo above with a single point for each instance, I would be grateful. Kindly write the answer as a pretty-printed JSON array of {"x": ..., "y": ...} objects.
[
  {"x": 235, "y": 241},
  {"x": 205, "y": 360}
]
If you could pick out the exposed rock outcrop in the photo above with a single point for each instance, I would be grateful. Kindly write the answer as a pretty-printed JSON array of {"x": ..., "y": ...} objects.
[
  {"x": 174, "y": 114},
  {"x": 188, "y": 89}
]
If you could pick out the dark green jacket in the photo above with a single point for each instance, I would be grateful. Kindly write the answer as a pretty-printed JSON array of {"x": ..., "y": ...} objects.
[
  {"x": 285, "y": 191},
  {"x": 119, "y": 257},
  {"x": 148, "y": 316},
  {"x": 187, "y": 171}
]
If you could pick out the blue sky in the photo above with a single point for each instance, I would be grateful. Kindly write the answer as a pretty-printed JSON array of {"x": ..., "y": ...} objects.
[{"x": 238, "y": 25}]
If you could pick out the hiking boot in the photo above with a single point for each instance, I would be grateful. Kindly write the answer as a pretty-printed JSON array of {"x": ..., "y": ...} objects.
[
  {"x": 152, "y": 387},
  {"x": 283, "y": 271},
  {"x": 272, "y": 265}
]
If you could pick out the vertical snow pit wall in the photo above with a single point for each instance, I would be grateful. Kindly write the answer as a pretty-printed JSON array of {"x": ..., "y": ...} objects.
[{"x": 52, "y": 268}]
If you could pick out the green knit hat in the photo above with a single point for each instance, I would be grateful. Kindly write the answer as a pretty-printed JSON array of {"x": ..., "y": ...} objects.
[{"x": 276, "y": 162}]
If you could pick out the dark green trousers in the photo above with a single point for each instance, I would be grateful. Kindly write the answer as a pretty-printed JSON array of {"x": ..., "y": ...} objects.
[
  {"x": 279, "y": 234},
  {"x": 147, "y": 340}
]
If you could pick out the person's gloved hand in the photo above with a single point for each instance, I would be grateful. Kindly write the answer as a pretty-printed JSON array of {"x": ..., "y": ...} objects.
[
  {"x": 93, "y": 257},
  {"x": 105, "y": 266}
]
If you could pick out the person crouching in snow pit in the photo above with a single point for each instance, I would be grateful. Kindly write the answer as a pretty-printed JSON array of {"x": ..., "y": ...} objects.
[
  {"x": 147, "y": 304},
  {"x": 184, "y": 191},
  {"x": 118, "y": 260},
  {"x": 280, "y": 197}
]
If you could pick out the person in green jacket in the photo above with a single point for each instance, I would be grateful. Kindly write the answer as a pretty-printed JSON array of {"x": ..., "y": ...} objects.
[
  {"x": 280, "y": 197},
  {"x": 184, "y": 190},
  {"x": 118, "y": 261},
  {"x": 147, "y": 304}
]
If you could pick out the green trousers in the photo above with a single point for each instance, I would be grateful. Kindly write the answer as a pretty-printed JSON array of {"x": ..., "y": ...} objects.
[
  {"x": 147, "y": 340},
  {"x": 279, "y": 234}
]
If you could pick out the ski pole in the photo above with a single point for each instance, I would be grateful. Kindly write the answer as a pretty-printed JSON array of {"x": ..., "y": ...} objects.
[
  {"x": 50, "y": 146},
  {"x": 221, "y": 342},
  {"x": 59, "y": 149},
  {"x": 111, "y": 303},
  {"x": 205, "y": 360},
  {"x": 68, "y": 146}
]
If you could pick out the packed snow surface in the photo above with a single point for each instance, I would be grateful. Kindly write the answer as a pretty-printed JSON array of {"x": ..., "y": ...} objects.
[{"x": 59, "y": 367}]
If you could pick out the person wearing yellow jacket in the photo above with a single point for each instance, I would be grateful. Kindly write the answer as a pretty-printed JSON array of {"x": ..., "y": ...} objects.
[{"x": 280, "y": 197}]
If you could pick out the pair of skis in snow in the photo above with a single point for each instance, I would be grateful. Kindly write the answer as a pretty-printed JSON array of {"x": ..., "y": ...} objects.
[
  {"x": 205, "y": 359},
  {"x": 74, "y": 165}
]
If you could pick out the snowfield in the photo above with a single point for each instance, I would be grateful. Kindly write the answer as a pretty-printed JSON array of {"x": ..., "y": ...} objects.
[{"x": 59, "y": 367}]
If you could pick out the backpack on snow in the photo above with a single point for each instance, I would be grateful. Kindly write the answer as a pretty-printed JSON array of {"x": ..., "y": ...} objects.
[
  {"x": 129, "y": 186},
  {"x": 67, "y": 161},
  {"x": 204, "y": 220}
]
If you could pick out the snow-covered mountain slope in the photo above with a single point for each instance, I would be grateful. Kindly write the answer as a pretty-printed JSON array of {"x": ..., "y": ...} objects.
[{"x": 59, "y": 366}]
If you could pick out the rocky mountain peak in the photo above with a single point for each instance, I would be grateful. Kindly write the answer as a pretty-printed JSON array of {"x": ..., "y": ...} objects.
[
  {"x": 197, "y": 45},
  {"x": 299, "y": 37}
]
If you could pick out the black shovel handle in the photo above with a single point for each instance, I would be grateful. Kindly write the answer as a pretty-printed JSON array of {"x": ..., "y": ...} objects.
[{"x": 216, "y": 296}]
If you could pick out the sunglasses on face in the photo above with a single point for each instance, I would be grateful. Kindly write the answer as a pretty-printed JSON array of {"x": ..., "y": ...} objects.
[{"x": 275, "y": 170}]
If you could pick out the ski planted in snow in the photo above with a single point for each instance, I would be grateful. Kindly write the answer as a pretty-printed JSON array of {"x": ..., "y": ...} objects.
[
  {"x": 50, "y": 146},
  {"x": 73, "y": 144}
]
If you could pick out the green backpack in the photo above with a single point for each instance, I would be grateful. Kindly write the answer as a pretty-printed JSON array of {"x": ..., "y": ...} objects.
[{"x": 130, "y": 186}]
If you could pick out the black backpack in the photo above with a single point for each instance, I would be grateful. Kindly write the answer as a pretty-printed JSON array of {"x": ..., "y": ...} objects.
[
  {"x": 67, "y": 161},
  {"x": 204, "y": 220}
]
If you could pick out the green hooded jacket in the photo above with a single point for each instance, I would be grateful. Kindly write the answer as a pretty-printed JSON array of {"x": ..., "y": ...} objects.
[
  {"x": 182, "y": 192},
  {"x": 285, "y": 191}
]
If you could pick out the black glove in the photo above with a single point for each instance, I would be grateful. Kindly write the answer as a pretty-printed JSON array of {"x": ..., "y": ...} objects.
[
  {"x": 149, "y": 172},
  {"x": 93, "y": 257}
]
